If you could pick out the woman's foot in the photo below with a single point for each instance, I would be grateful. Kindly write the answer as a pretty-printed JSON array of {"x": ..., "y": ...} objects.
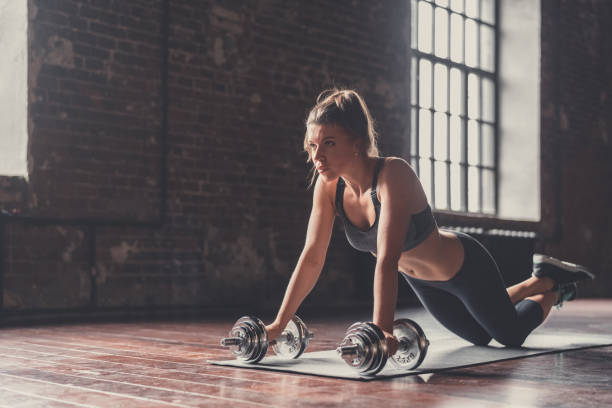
[
  {"x": 560, "y": 271},
  {"x": 567, "y": 292}
]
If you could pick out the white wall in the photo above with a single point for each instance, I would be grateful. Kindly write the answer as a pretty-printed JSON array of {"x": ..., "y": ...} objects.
[
  {"x": 13, "y": 87},
  {"x": 519, "y": 113}
]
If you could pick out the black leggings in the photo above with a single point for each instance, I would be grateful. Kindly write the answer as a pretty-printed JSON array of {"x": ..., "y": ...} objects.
[{"x": 474, "y": 304}]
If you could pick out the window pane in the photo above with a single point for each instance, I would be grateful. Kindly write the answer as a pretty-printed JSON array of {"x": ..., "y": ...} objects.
[
  {"x": 413, "y": 81},
  {"x": 457, "y": 5},
  {"x": 441, "y": 185},
  {"x": 487, "y": 48},
  {"x": 441, "y": 42},
  {"x": 456, "y": 188},
  {"x": 473, "y": 190},
  {"x": 440, "y": 140},
  {"x": 488, "y": 145},
  {"x": 487, "y": 11},
  {"x": 473, "y": 97},
  {"x": 413, "y": 24},
  {"x": 456, "y": 92},
  {"x": 413, "y": 132},
  {"x": 424, "y": 133},
  {"x": 425, "y": 176},
  {"x": 425, "y": 26},
  {"x": 473, "y": 143},
  {"x": 443, "y": 3},
  {"x": 440, "y": 87},
  {"x": 471, "y": 8},
  {"x": 488, "y": 100},
  {"x": 425, "y": 83},
  {"x": 456, "y": 52},
  {"x": 488, "y": 191},
  {"x": 456, "y": 139},
  {"x": 471, "y": 43}
]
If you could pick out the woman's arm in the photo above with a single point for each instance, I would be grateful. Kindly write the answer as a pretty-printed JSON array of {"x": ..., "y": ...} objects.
[
  {"x": 312, "y": 258},
  {"x": 396, "y": 187}
]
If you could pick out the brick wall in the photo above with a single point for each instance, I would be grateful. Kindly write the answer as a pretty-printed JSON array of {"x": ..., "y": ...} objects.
[
  {"x": 165, "y": 160},
  {"x": 95, "y": 114},
  {"x": 576, "y": 136}
]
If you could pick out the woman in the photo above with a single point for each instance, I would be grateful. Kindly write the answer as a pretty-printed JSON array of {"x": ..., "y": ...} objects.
[{"x": 385, "y": 212}]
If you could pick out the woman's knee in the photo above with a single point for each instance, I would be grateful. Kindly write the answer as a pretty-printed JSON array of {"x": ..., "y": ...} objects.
[
  {"x": 510, "y": 339},
  {"x": 478, "y": 339}
]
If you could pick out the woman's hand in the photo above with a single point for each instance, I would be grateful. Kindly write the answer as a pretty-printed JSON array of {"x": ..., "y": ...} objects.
[
  {"x": 274, "y": 331},
  {"x": 392, "y": 343}
]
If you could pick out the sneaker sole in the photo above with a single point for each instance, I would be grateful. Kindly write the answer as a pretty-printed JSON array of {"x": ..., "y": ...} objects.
[{"x": 539, "y": 258}]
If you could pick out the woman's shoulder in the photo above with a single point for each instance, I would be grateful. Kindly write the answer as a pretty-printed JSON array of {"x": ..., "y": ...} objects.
[
  {"x": 398, "y": 179},
  {"x": 397, "y": 169},
  {"x": 326, "y": 189}
]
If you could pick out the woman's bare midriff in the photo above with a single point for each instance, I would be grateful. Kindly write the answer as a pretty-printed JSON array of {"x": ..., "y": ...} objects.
[{"x": 438, "y": 258}]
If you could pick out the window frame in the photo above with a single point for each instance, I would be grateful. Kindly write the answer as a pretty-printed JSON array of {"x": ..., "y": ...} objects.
[{"x": 414, "y": 154}]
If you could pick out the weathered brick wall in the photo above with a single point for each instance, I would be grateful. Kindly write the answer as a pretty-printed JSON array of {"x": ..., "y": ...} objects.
[
  {"x": 173, "y": 176},
  {"x": 576, "y": 136},
  {"x": 94, "y": 92},
  {"x": 46, "y": 267}
]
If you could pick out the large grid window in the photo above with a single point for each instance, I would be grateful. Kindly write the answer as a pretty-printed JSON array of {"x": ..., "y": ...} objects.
[{"x": 454, "y": 103}]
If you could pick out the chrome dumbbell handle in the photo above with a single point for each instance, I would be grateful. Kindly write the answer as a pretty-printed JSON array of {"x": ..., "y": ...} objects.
[
  {"x": 404, "y": 345},
  {"x": 236, "y": 341},
  {"x": 231, "y": 341},
  {"x": 349, "y": 350},
  {"x": 288, "y": 336}
]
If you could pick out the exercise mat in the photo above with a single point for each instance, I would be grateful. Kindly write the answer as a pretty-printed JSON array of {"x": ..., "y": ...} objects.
[{"x": 444, "y": 353}]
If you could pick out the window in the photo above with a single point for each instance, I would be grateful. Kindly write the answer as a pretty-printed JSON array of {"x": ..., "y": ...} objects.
[
  {"x": 453, "y": 142},
  {"x": 13, "y": 88}
]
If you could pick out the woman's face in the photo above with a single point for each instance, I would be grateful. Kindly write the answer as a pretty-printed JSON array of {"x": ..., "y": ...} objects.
[{"x": 332, "y": 150}]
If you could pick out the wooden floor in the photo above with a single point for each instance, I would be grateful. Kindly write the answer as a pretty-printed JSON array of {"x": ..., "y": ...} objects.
[{"x": 163, "y": 364}]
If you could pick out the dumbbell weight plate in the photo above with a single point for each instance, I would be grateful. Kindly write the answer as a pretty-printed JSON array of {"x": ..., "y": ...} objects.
[
  {"x": 255, "y": 344},
  {"x": 413, "y": 344},
  {"x": 298, "y": 338},
  {"x": 371, "y": 355},
  {"x": 378, "y": 348}
]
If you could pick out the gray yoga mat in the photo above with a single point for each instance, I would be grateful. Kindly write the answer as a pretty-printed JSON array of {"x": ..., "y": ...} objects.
[{"x": 444, "y": 353}]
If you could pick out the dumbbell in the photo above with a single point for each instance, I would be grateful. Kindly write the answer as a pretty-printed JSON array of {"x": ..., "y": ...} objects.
[
  {"x": 364, "y": 346},
  {"x": 248, "y": 339}
]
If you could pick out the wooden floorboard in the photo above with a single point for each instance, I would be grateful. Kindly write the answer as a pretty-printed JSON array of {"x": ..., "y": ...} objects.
[{"x": 164, "y": 364}]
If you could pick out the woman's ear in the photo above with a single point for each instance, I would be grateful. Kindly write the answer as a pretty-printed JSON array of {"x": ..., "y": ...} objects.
[{"x": 358, "y": 148}]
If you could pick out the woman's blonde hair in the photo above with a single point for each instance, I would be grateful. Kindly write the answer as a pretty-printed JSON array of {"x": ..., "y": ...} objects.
[{"x": 345, "y": 108}]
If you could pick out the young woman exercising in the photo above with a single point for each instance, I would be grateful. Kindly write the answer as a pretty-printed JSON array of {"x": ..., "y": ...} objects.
[{"x": 384, "y": 209}]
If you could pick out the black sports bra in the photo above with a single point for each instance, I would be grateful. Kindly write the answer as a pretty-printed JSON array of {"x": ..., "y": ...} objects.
[{"x": 421, "y": 224}]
